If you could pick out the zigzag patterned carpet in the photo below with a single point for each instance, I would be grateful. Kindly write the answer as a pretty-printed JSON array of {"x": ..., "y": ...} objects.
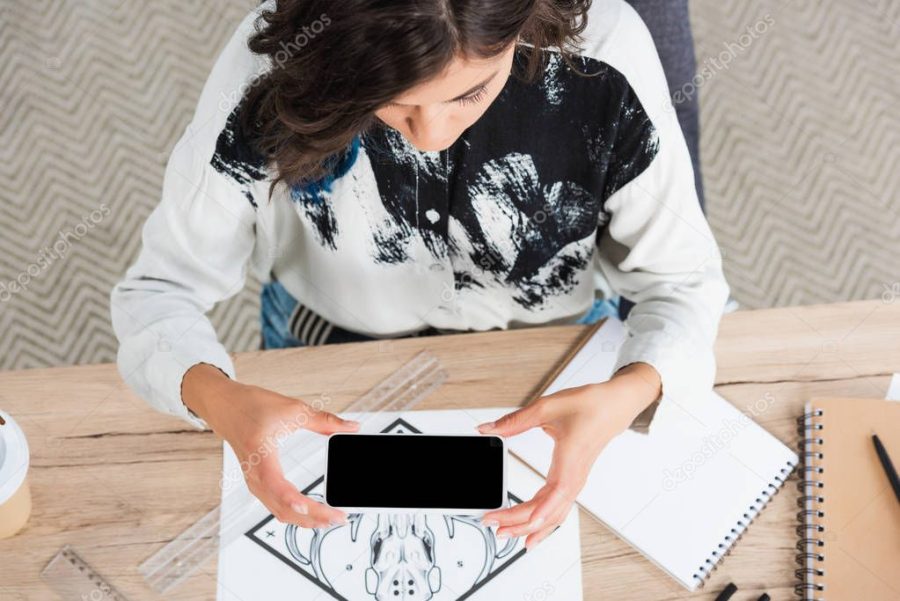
[
  {"x": 801, "y": 138},
  {"x": 801, "y": 148}
]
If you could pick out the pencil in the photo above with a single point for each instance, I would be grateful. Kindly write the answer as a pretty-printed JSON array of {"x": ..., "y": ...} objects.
[{"x": 887, "y": 465}]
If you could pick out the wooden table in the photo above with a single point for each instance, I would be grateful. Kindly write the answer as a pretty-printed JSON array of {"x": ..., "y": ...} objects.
[{"x": 117, "y": 480}]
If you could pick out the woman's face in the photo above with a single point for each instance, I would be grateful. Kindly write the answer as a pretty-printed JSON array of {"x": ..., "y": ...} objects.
[{"x": 433, "y": 114}]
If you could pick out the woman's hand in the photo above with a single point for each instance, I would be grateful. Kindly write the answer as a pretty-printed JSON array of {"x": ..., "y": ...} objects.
[
  {"x": 581, "y": 422},
  {"x": 252, "y": 420}
]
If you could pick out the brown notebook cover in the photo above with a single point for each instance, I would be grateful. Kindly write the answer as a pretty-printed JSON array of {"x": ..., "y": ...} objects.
[{"x": 849, "y": 519}]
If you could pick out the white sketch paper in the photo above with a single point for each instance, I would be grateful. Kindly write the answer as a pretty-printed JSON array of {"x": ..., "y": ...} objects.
[
  {"x": 399, "y": 556},
  {"x": 893, "y": 393}
]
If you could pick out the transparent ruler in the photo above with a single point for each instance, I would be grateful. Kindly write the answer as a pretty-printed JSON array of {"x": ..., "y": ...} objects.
[
  {"x": 73, "y": 579},
  {"x": 399, "y": 392}
]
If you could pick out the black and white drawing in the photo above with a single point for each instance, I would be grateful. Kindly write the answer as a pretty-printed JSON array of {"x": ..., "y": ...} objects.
[{"x": 391, "y": 556}]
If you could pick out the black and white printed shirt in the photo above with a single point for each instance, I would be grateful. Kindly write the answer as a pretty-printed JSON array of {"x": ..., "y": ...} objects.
[{"x": 567, "y": 189}]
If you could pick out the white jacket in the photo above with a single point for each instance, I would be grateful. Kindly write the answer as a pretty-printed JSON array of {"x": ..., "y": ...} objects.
[{"x": 568, "y": 188}]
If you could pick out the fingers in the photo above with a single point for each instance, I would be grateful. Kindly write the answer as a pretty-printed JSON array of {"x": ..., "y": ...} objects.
[
  {"x": 552, "y": 523},
  {"x": 515, "y": 422},
  {"x": 509, "y": 517},
  {"x": 267, "y": 482},
  {"x": 521, "y": 529},
  {"x": 537, "y": 528},
  {"x": 326, "y": 423},
  {"x": 535, "y": 538},
  {"x": 554, "y": 498},
  {"x": 569, "y": 467},
  {"x": 517, "y": 514},
  {"x": 548, "y": 504}
]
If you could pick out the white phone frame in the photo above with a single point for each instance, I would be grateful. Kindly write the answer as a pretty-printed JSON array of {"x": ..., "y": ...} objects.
[{"x": 442, "y": 510}]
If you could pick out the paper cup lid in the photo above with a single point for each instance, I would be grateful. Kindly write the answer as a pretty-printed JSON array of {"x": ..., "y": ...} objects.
[{"x": 13, "y": 457}]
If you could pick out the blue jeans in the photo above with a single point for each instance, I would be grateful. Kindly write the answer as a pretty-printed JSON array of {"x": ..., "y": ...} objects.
[
  {"x": 276, "y": 307},
  {"x": 279, "y": 320}
]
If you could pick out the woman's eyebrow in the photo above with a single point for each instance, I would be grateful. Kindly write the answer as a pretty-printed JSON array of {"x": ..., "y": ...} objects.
[{"x": 476, "y": 87}]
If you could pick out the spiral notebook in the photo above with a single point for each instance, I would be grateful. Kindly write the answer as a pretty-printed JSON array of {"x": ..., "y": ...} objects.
[
  {"x": 683, "y": 493},
  {"x": 849, "y": 532}
]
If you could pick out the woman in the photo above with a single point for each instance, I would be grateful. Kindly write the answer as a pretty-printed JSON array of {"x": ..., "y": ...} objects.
[{"x": 407, "y": 167}]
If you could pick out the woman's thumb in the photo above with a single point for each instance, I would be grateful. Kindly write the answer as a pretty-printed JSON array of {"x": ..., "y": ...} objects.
[
  {"x": 324, "y": 422},
  {"x": 513, "y": 423}
]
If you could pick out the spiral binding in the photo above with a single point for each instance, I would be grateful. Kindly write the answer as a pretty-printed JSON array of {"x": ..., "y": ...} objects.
[
  {"x": 728, "y": 541},
  {"x": 810, "y": 542}
]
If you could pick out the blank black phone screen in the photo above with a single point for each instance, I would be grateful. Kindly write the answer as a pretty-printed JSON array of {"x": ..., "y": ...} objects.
[{"x": 415, "y": 471}]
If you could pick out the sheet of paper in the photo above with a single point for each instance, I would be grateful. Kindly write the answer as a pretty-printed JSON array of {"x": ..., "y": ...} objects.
[
  {"x": 595, "y": 361},
  {"x": 677, "y": 493},
  {"x": 398, "y": 556},
  {"x": 893, "y": 393}
]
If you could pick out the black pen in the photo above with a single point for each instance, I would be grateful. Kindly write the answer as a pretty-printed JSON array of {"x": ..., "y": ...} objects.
[
  {"x": 887, "y": 465},
  {"x": 726, "y": 594}
]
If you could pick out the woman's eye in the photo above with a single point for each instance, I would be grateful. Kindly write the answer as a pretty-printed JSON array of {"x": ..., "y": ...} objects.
[{"x": 473, "y": 98}]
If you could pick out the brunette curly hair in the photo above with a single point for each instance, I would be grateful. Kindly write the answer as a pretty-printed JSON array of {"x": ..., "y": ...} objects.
[{"x": 335, "y": 62}]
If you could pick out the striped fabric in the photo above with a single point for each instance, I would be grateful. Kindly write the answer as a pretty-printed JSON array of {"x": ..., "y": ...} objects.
[{"x": 308, "y": 327}]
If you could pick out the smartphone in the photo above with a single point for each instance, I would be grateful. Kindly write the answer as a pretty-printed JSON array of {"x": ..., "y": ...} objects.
[{"x": 415, "y": 472}]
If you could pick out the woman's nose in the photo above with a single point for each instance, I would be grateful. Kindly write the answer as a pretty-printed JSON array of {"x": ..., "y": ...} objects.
[{"x": 430, "y": 128}]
